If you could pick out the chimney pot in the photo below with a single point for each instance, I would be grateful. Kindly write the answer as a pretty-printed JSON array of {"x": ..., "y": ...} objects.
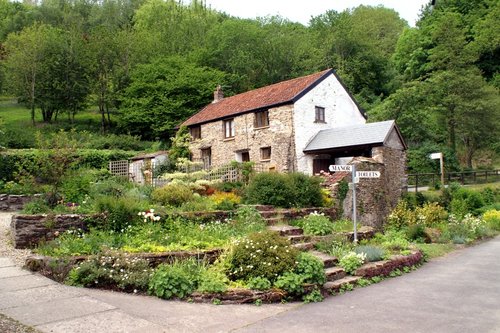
[{"x": 218, "y": 94}]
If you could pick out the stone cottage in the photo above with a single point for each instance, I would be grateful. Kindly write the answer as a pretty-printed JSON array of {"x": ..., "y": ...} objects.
[{"x": 280, "y": 126}]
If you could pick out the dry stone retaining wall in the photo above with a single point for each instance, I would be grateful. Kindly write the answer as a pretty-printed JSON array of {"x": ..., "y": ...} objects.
[{"x": 11, "y": 202}]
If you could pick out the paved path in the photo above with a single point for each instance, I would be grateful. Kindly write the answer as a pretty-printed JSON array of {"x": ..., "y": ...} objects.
[{"x": 457, "y": 293}]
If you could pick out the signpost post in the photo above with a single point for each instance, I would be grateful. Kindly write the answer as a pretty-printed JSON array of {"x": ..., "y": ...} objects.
[
  {"x": 439, "y": 156},
  {"x": 355, "y": 179}
]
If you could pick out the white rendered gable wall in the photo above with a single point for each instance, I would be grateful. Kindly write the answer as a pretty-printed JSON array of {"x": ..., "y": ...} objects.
[{"x": 340, "y": 110}]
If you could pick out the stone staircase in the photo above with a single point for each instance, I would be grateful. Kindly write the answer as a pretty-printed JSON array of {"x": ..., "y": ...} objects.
[{"x": 335, "y": 276}]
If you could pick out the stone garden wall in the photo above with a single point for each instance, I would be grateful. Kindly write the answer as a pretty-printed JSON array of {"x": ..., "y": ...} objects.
[
  {"x": 11, "y": 202},
  {"x": 28, "y": 230}
]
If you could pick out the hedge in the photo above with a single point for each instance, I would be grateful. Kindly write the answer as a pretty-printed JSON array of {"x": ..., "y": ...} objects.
[{"x": 92, "y": 158}]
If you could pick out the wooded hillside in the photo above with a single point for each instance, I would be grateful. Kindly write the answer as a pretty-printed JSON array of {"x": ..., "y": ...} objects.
[{"x": 146, "y": 65}]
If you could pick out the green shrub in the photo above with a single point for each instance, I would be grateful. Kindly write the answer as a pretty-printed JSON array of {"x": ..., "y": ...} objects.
[
  {"x": 36, "y": 206},
  {"x": 110, "y": 270},
  {"x": 459, "y": 207},
  {"x": 313, "y": 297},
  {"x": 310, "y": 268},
  {"x": 306, "y": 190},
  {"x": 270, "y": 188},
  {"x": 400, "y": 217},
  {"x": 392, "y": 240},
  {"x": 372, "y": 253},
  {"x": 352, "y": 261},
  {"x": 336, "y": 246},
  {"x": 264, "y": 254},
  {"x": 172, "y": 194},
  {"x": 77, "y": 184},
  {"x": 120, "y": 212},
  {"x": 292, "y": 283},
  {"x": 492, "y": 219},
  {"x": 259, "y": 283},
  {"x": 416, "y": 232},
  {"x": 175, "y": 280},
  {"x": 284, "y": 190},
  {"x": 431, "y": 214},
  {"x": 317, "y": 224},
  {"x": 211, "y": 280}
]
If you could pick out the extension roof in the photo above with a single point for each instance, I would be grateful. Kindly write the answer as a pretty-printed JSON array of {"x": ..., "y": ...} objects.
[
  {"x": 282, "y": 93},
  {"x": 353, "y": 136}
]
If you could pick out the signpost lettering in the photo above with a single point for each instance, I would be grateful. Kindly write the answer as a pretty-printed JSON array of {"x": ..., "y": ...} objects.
[
  {"x": 336, "y": 168},
  {"x": 368, "y": 174}
]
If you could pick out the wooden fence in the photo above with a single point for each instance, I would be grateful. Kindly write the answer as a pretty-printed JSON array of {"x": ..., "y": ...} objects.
[{"x": 417, "y": 180}]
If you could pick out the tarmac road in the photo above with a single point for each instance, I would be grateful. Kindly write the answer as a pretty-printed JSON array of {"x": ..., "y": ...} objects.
[{"x": 456, "y": 293}]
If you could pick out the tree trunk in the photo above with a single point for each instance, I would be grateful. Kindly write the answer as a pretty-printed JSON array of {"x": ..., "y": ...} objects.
[{"x": 109, "y": 117}]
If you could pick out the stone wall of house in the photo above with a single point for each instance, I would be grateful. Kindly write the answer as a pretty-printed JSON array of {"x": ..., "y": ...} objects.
[
  {"x": 10, "y": 202},
  {"x": 376, "y": 197},
  {"x": 278, "y": 135},
  {"x": 28, "y": 230}
]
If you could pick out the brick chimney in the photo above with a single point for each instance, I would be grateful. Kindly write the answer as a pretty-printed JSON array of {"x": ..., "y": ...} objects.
[{"x": 218, "y": 94}]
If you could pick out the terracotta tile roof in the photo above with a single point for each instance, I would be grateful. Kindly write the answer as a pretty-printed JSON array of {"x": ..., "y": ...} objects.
[{"x": 265, "y": 97}]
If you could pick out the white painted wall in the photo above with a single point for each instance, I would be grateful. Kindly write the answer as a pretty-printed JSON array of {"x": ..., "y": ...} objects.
[{"x": 340, "y": 110}]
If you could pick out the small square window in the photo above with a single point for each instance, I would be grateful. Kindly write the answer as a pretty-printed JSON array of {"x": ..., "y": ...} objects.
[
  {"x": 320, "y": 115},
  {"x": 265, "y": 153},
  {"x": 228, "y": 128},
  {"x": 195, "y": 132},
  {"x": 261, "y": 119}
]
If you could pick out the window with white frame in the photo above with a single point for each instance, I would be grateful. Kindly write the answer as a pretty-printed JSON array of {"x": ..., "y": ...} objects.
[{"x": 228, "y": 128}]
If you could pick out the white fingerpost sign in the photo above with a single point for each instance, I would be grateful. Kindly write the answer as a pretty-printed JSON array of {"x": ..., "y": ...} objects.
[
  {"x": 337, "y": 168},
  {"x": 368, "y": 174},
  {"x": 355, "y": 180}
]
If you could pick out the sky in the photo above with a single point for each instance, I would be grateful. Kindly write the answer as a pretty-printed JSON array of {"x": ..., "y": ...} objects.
[{"x": 301, "y": 11}]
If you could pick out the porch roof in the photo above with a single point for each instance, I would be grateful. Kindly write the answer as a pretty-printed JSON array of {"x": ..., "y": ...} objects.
[{"x": 352, "y": 136}]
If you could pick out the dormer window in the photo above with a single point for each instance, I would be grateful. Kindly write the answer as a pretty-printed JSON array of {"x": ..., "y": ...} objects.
[
  {"x": 320, "y": 115},
  {"x": 195, "y": 132},
  {"x": 261, "y": 119}
]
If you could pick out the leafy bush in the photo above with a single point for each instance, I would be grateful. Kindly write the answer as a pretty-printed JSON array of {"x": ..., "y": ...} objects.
[
  {"x": 172, "y": 194},
  {"x": 431, "y": 214},
  {"x": 259, "y": 283},
  {"x": 175, "y": 280},
  {"x": 225, "y": 200},
  {"x": 392, "y": 240},
  {"x": 120, "y": 212},
  {"x": 284, "y": 190},
  {"x": 109, "y": 270},
  {"x": 336, "y": 246},
  {"x": 36, "y": 206},
  {"x": 292, "y": 283},
  {"x": 372, "y": 253},
  {"x": 210, "y": 280},
  {"x": 492, "y": 219},
  {"x": 77, "y": 184},
  {"x": 316, "y": 224},
  {"x": 400, "y": 217},
  {"x": 264, "y": 254},
  {"x": 313, "y": 297},
  {"x": 352, "y": 261},
  {"x": 310, "y": 268},
  {"x": 306, "y": 190}
]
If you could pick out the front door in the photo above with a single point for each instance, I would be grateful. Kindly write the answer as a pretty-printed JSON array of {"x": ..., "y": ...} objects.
[{"x": 321, "y": 165}]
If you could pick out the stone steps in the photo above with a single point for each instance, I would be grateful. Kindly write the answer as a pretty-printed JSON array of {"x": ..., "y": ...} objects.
[
  {"x": 295, "y": 239},
  {"x": 286, "y": 230},
  {"x": 335, "y": 286},
  {"x": 304, "y": 246},
  {"x": 328, "y": 261},
  {"x": 334, "y": 273},
  {"x": 273, "y": 220}
]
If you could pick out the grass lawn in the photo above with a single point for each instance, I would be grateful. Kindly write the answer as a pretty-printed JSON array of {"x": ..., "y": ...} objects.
[
  {"x": 435, "y": 250},
  {"x": 18, "y": 115}
]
